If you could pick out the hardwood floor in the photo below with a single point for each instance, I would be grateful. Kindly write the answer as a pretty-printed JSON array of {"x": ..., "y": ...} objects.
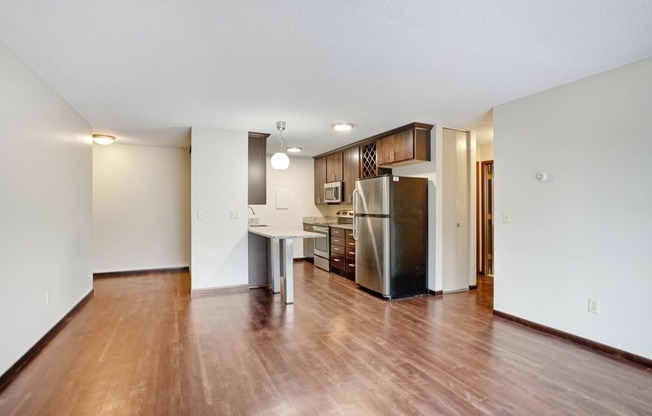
[{"x": 142, "y": 347}]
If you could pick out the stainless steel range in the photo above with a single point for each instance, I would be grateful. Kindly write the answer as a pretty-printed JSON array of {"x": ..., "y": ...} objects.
[
  {"x": 322, "y": 251},
  {"x": 322, "y": 245}
]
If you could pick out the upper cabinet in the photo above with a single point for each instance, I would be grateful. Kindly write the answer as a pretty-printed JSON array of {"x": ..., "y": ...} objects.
[
  {"x": 351, "y": 170},
  {"x": 375, "y": 155},
  {"x": 334, "y": 170},
  {"x": 320, "y": 180},
  {"x": 403, "y": 147},
  {"x": 257, "y": 182}
]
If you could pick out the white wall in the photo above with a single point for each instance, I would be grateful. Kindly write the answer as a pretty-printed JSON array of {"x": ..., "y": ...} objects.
[
  {"x": 218, "y": 186},
  {"x": 141, "y": 207},
  {"x": 45, "y": 214},
  {"x": 298, "y": 180},
  {"x": 587, "y": 232}
]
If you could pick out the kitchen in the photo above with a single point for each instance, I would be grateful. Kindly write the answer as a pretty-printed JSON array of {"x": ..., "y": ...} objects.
[{"x": 335, "y": 196}]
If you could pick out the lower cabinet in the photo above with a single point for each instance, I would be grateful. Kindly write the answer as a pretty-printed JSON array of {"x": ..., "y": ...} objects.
[
  {"x": 342, "y": 252},
  {"x": 349, "y": 255}
]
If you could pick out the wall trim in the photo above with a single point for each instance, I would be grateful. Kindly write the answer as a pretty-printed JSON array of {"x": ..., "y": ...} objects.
[
  {"x": 646, "y": 362},
  {"x": 224, "y": 290},
  {"x": 131, "y": 273},
  {"x": 436, "y": 292},
  {"x": 14, "y": 370}
]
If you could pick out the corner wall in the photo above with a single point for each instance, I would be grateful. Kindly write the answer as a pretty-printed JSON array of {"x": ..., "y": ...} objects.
[
  {"x": 587, "y": 231},
  {"x": 219, "y": 252},
  {"x": 141, "y": 207},
  {"x": 45, "y": 214}
]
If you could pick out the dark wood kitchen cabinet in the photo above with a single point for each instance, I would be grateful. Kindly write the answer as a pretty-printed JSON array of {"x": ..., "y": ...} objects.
[
  {"x": 334, "y": 164},
  {"x": 320, "y": 180},
  {"x": 349, "y": 255},
  {"x": 257, "y": 182},
  {"x": 351, "y": 170},
  {"x": 404, "y": 147},
  {"x": 342, "y": 252},
  {"x": 338, "y": 250}
]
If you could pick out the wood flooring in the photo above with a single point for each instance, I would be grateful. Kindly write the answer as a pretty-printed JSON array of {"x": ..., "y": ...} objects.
[{"x": 142, "y": 347}]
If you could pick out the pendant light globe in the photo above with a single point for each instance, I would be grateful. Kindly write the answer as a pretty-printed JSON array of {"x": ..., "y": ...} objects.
[{"x": 280, "y": 161}]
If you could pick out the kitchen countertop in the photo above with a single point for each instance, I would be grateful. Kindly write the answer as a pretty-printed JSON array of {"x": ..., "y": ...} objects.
[
  {"x": 319, "y": 220},
  {"x": 344, "y": 226},
  {"x": 278, "y": 233}
]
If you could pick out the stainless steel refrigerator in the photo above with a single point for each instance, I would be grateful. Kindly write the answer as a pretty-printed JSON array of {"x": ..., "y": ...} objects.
[{"x": 390, "y": 226}]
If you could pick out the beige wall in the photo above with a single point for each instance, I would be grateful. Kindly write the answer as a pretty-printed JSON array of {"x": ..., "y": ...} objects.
[
  {"x": 141, "y": 207},
  {"x": 485, "y": 152}
]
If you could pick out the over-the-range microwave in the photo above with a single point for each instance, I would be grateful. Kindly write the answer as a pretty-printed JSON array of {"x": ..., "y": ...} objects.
[{"x": 333, "y": 192}]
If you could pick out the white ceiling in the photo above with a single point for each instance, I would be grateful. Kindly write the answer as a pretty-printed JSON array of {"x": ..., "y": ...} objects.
[{"x": 148, "y": 70}]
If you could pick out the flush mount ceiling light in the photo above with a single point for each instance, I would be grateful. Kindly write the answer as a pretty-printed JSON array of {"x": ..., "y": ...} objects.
[
  {"x": 103, "y": 139},
  {"x": 343, "y": 126},
  {"x": 280, "y": 161},
  {"x": 294, "y": 149}
]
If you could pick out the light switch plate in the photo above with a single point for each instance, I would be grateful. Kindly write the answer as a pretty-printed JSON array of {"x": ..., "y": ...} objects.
[
  {"x": 594, "y": 306},
  {"x": 507, "y": 218}
]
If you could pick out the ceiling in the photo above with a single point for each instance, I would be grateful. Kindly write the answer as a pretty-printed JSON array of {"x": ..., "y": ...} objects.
[{"x": 148, "y": 70}]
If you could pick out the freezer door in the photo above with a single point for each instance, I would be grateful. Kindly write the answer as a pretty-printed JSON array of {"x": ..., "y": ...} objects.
[
  {"x": 372, "y": 196},
  {"x": 372, "y": 254}
]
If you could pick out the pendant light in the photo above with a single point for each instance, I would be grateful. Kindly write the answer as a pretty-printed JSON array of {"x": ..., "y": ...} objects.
[{"x": 280, "y": 161}]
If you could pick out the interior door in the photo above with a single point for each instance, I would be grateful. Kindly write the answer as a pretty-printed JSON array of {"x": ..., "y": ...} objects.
[{"x": 455, "y": 212}]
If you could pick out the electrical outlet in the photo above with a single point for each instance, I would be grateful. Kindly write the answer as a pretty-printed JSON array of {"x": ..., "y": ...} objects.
[
  {"x": 234, "y": 215},
  {"x": 594, "y": 306},
  {"x": 48, "y": 297}
]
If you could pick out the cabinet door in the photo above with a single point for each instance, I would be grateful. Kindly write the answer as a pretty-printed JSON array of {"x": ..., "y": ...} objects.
[
  {"x": 320, "y": 180},
  {"x": 334, "y": 167},
  {"x": 257, "y": 183},
  {"x": 351, "y": 172},
  {"x": 396, "y": 148}
]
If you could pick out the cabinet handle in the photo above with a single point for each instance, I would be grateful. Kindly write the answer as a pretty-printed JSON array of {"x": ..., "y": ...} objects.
[
  {"x": 351, "y": 252},
  {"x": 337, "y": 260},
  {"x": 352, "y": 265}
]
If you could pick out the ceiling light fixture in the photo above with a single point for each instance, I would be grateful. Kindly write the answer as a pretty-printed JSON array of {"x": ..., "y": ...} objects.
[
  {"x": 103, "y": 139},
  {"x": 280, "y": 161},
  {"x": 294, "y": 149},
  {"x": 343, "y": 126}
]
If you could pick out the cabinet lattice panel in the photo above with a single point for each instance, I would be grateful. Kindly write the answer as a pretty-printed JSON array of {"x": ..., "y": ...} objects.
[{"x": 369, "y": 167}]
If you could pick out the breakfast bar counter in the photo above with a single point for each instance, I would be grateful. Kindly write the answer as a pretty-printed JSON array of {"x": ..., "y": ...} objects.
[{"x": 282, "y": 238}]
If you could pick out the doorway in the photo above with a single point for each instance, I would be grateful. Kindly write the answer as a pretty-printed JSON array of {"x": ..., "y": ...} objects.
[{"x": 485, "y": 219}]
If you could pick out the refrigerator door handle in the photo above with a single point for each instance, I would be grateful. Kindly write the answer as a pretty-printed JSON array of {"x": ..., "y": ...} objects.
[{"x": 355, "y": 210}]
